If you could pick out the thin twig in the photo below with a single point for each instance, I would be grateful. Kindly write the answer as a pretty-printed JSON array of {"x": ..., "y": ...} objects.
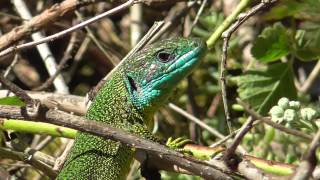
[
  {"x": 67, "y": 56},
  {"x": 43, "y": 49},
  {"x": 10, "y": 67},
  {"x": 171, "y": 20},
  {"x": 307, "y": 166},
  {"x": 214, "y": 105},
  {"x": 69, "y": 30},
  {"x": 267, "y": 121},
  {"x": 313, "y": 75},
  {"x": 28, "y": 158},
  {"x": 221, "y": 141},
  {"x": 193, "y": 108},
  {"x": 114, "y": 60},
  {"x": 63, "y": 157},
  {"x": 196, "y": 19},
  {"x": 226, "y": 36},
  {"x": 196, "y": 120},
  {"x": 44, "y": 143},
  {"x": 16, "y": 90},
  {"x": 229, "y": 153},
  {"x": 81, "y": 51},
  {"x": 47, "y": 16},
  {"x": 145, "y": 40}
]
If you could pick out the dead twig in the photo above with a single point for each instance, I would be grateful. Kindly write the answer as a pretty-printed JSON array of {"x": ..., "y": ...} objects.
[
  {"x": 69, "y": 54},
  {"x": 43, "y": 49},
  {"x": 196, "y": 120},
  {"x": 67, "y": 31},
  {"x": 28, "y": 158},
  {"x": 49, "y": 15},
  {"x": 144, "y": 41},
  {"x": 230, "y": 152},
  {"x": 57, "y": 117},
  {"x": 16, "y": 90},
  {"x": 226, "y": 36},
  {"x": 313, "y": 75},
  {"x": 309, "y": 162},
  {"x": 114, "y": 59}
]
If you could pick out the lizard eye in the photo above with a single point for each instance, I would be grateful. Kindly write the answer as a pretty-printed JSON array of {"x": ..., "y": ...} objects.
[{"x": 164, "y": 56}]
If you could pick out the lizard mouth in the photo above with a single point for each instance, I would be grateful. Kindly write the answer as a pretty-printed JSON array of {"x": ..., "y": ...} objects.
[{"x": 186, "y": 59}]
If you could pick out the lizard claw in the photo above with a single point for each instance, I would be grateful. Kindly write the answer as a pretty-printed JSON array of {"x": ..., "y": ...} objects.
[{"x": 178, "y": 144}]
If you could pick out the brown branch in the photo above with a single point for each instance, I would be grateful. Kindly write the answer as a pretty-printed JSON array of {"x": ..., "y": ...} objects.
[
  {"x": 230, "y": 152},
  {"x": 46, "y": 17},
  {"x": 78, "y": 103},
  {"x": 64, "y": 102},
  {"x": 28, "y": 158},
  {"x": 226, "y": 37},
  {"x": 309, "y": 163},
  {"x": 16, "y": 90},
  {"x": 64, "y": 119},
  {"x": 67, "y": 31}
]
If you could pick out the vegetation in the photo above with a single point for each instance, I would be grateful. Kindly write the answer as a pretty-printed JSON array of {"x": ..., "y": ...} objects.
[{"x": 271, "y": 76}]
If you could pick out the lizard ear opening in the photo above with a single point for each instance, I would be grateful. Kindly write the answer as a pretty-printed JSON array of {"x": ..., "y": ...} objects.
[{"x": 132, "y": 83}]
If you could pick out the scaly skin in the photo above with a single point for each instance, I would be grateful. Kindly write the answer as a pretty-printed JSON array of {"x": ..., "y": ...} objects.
[{"x": 128, "y": 101}]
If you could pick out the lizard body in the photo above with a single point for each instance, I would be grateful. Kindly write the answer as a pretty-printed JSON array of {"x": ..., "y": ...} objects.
[{"x": 128, "y": 101}]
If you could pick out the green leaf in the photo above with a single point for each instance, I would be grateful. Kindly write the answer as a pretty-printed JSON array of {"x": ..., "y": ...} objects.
[
  {"x": 307, "y": 44},
  {"x": 285, "y": 8},
  {"x": 272, "y": 44},
  {"x": 14, "y": 100},
  {"x": 262, "y": 89},
  {"x": 304, "y": 10}
]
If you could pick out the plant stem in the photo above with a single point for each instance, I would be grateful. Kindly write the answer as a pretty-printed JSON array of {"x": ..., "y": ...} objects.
[
  {"x": 37, "y": 128},
  {"x": 227, "y": 22}
]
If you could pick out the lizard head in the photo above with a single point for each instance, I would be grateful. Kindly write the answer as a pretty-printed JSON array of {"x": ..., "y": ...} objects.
[{"x": 153, "y": 72}]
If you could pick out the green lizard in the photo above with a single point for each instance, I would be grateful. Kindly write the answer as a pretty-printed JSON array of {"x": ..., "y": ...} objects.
[{"x": 128, "y": 101}]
